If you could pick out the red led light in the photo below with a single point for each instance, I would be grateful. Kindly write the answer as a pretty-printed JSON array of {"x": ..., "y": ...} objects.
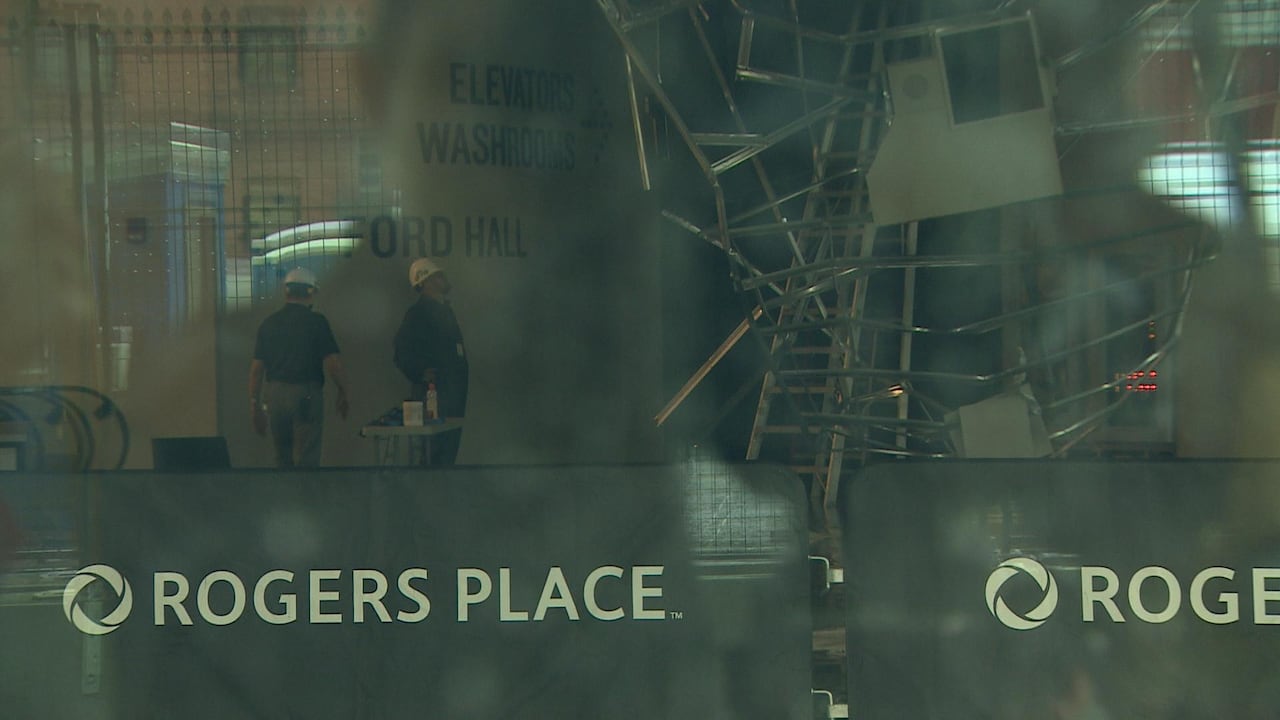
[{"x": 1137, "y": 381}]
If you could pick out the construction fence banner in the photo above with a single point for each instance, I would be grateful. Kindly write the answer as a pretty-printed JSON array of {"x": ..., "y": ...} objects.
[
  {"x": 548, "y": 592},
  {"x": 1016, "y": 589}
]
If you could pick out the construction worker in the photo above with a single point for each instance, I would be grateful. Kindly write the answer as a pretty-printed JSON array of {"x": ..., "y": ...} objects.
[
  {"x": 429, "y": 351},
  {"x": 295, "y": 347}
]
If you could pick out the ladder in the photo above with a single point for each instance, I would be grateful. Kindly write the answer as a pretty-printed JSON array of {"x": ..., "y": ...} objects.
[
  {"x": 810, "y": 346},
  {"x": 801, "y": 233}
]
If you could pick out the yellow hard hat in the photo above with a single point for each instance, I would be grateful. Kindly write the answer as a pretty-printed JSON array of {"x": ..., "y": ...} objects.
[
  {"x": 421, "y": 269},
  {"x": 301, "y": 276}
]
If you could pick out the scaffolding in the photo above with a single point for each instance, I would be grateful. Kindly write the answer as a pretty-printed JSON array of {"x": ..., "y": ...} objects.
[{"x": 877, "y": 347}]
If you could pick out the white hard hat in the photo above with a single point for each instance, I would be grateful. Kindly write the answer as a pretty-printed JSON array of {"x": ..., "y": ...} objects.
[
  {"x": 301, "y": 276},
  {"x": 420, "y": 270}
]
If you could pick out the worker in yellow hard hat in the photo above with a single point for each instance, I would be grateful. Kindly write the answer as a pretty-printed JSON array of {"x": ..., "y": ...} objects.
[{"x": 431, "y": 354}]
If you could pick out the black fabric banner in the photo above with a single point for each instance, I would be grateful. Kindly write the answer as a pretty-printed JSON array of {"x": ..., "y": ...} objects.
[
  {"x": 469, "y": 593},
  {"x": 1073, "y": 590}
]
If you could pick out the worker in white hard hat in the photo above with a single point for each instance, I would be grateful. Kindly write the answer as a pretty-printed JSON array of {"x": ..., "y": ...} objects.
[
  {"x": 295, "y": 348},
  {"x": 429, "y": 351}
]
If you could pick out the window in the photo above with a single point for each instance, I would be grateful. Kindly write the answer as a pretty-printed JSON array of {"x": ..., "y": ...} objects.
[
  {"x": 1198, "y": 178},
  {"x": 269, "y": 58},
  {"x": 991, "y": 71}
]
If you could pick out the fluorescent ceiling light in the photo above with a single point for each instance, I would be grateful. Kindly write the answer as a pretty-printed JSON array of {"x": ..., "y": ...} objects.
[
  {"x": 324, "y": 229},
  {"x": 309, "y": 249}
]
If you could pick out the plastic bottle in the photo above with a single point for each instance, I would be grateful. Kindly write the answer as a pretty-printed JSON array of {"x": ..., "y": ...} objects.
[{"x": 431, "y": 408}]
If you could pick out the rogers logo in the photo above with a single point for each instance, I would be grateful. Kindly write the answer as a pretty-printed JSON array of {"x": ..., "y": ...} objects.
[
  {"x": 608, "y": 593},
  {"x": 83, "y": 579},
  {"x": 1006, "y": 570},
  {"x": 1153, "y": 594}
]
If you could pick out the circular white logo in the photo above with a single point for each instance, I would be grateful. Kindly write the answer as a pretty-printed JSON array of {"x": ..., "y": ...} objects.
[
  {"x": 1001, "y": 611},
  {"x": 85, "y": 577}
]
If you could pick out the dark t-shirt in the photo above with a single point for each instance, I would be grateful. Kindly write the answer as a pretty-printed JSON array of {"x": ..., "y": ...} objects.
[
  {"x": 293, "y": 343},
  {"x": 429, "y": 337}
]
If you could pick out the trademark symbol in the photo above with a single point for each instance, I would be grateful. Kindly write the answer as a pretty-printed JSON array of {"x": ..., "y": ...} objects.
[{"x": 675, "y": 615}]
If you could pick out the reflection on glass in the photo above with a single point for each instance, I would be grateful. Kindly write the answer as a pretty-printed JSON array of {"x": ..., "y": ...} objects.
[{"x": 1198, "y": 178}]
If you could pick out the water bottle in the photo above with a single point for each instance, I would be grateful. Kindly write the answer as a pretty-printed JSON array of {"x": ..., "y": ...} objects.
[{"x": 431, "y": 409}]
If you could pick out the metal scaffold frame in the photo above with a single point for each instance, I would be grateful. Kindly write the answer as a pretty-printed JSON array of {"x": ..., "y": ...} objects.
[{"x": 832, "y": 293}]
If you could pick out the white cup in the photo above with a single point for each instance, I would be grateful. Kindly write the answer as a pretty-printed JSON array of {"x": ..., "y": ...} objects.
[{"x": 413, "y": 413}]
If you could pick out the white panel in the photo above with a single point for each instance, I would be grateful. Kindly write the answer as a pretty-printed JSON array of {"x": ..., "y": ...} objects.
[
  {"x": 1003, "y": 426},
  {"x": 926, "y": 167},
  {"x": 917, "y": 87}
]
